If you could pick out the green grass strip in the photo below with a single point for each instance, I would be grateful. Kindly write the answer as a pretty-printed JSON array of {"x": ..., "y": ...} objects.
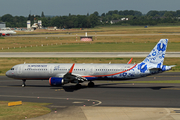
[{"x": 26, "y": 110}]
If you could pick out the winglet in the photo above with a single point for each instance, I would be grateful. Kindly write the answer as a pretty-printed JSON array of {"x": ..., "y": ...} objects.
[
  {"x": 70, "y": 71},
  {"x": 129, "y": 62}
]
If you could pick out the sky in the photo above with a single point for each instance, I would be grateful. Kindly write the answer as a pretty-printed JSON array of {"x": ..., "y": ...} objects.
[{"x": 82, "y": 7}]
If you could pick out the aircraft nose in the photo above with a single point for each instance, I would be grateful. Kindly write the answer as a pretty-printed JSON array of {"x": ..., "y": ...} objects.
[{"x": 8, "y": 73}]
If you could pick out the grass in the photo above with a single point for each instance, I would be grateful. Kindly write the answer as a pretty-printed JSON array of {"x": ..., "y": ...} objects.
[
  {"x": 7, "y": 63},
  {"x": 70, "y": 44},
  {"x": 26, "y": 110},
  {"x": 2, "y": 37},
  {"x": 93, "y": 47},
  {"x": 116, "y": 29}
]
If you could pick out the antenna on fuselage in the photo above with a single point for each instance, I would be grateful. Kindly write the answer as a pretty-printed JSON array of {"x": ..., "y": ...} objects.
[{"x": 24, "y": 62}]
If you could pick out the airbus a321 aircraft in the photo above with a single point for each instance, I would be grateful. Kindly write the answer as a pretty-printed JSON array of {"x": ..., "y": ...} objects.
[{"x": 60, "y": 74}]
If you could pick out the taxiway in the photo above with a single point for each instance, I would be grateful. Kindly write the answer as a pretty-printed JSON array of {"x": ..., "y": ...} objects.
[{"x": 109, "y": 95}]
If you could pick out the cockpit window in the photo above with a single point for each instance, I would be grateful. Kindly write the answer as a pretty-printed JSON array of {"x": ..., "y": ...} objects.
[{"x": 12, "y": 68}]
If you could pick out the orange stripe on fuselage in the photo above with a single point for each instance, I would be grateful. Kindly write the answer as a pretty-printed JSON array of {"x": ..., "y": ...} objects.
[{"x": 111, "y": 74}]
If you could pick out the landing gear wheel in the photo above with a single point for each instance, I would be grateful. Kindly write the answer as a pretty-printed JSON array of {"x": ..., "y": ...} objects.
[
  {"x": 91, "y": 84},
  {"x": 24, "y": 81},
  {"x": 78, "y": 86}
]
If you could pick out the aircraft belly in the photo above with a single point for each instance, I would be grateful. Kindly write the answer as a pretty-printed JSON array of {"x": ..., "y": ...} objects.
[{"x": 32, "y": 75}]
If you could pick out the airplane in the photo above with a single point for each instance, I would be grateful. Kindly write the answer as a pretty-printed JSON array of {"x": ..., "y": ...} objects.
[
  {"x": 63, "y": 73},
  {"x": 6, "y": 32}
]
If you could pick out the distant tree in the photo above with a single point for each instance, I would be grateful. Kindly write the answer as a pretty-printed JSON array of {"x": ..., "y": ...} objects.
[
  {"x": 115, "y": 12},
  {"x": 29, "y": 17},
  {"x": 45, "y": 22},
  {"x": 109, "y": 17},
  {"x": 137, "y": 13},
  {"x": 103, "y": 15},
  {"x": 93, "y": 20},
  {"x": 96, "y": 13},
  {"x": 37, "y": 16},
  {"x": 42, "y": 14},
  {"x": 109, "y": 13},
  {"x": 178, "y": 13},
  {"x": 7, "y": 18},
  {"x": 161, "y": 13},
  {"x": 121, "y": 13},
  {"x": 115, "y": 16},
  {"x": 170, "y": 14},
  {"x": 126, "y": 12},
  {"x": 152, "y": 13}
]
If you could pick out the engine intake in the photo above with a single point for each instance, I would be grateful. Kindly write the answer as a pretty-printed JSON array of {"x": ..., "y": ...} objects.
[{"x": 55, "y": 81}]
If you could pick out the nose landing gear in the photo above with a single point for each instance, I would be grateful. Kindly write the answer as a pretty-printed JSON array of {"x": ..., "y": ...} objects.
[{"x": 24, "y": 81}]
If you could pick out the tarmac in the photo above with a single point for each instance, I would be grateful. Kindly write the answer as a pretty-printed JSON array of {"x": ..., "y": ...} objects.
[
  {"x": 108, "y": 100},
  {"x": 82, "y": 54}
]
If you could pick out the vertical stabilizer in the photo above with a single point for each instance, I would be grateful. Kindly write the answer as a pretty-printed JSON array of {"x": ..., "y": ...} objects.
[{"x": 156, "y": 56}]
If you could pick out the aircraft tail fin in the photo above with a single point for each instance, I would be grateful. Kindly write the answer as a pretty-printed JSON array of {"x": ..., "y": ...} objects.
[{"x": 155, "y": 58}]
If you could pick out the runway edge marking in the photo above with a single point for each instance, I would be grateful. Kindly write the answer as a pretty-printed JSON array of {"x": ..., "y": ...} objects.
[{"x": 98, "y": 102}]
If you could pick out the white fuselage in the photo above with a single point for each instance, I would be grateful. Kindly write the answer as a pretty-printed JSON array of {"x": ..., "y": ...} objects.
[{"x": 45, "y": 71}]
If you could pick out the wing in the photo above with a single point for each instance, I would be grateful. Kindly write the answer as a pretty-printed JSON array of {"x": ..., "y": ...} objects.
[{"x": 67, "y": 78}]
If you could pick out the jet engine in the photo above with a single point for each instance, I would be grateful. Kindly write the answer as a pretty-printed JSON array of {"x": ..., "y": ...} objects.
[{"x": 56, "y": 81}]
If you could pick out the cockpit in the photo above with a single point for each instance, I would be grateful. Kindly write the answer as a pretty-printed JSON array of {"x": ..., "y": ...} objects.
[
  {"x": 12, "y": 68},
  {"x": 12, "y": 72}
]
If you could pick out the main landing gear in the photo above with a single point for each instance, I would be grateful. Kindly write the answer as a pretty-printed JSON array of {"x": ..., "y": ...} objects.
[
  {"x": 91, "y": 84},
  {"x": 78, "y": 86},
  {"x": 24, "y": 81}
]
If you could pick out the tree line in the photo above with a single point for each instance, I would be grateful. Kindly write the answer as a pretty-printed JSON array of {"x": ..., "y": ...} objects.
[{"x": 153, "y": 17}]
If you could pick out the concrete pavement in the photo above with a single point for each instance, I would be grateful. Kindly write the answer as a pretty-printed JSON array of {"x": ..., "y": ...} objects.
[
  {"x": 82, "y": 54},
  {"x": 112, "y": 113}
]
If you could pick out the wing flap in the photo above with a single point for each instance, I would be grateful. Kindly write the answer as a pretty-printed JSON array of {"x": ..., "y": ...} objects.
[{"x": 69, "y": 77}]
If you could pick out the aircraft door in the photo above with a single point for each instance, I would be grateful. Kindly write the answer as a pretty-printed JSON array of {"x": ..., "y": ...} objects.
[
  {"x": 51, "y": 69},
  {"x": 19, "y": 69},
  {"x": 91, "y": 70}
]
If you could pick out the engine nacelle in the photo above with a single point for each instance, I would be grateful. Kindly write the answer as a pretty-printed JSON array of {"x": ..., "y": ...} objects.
[{"x": 56, "y": 81}]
